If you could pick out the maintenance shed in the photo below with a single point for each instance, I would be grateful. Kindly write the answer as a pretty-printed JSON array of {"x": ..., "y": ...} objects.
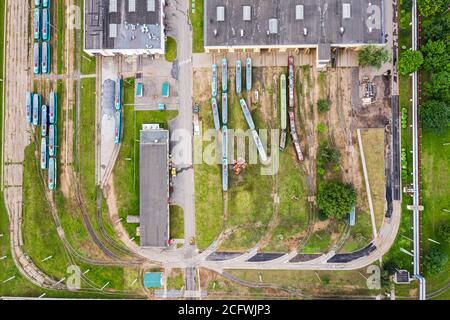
[
  {"x": 127, "y": 27},
  {"x": 154, "y": 186},
  {"x": 292, "y": 24}
]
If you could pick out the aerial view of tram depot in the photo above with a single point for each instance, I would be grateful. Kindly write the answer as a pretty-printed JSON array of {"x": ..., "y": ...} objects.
[{"x": 225, "y": 149}]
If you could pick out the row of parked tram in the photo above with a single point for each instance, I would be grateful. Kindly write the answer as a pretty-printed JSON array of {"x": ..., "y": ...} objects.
[{"x": 42, "y": 34}]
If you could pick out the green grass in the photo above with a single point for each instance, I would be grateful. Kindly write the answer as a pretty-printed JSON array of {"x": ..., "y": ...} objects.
[
  {"x": 197, "y": 26},
  {"x": 436, "y": 191},
  {"x": 175, "y": 279},
  {"x": 61, "y": 35},
  {"x": 88, "y": 64},
  {"x": 176, "y": 222},
  {"x": 87, "y": 141},
  {"x": 39, "y": 233},
  {"x": 312, "y": 282},
  {"x": 126, "y": 170},
  {"x": 171, "y": 49}
]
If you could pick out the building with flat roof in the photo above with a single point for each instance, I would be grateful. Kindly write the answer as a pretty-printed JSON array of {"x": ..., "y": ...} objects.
[
  {"x": 126, "y": 27},
  {"x": 293, "y": 24},
  {"x": 154, "y": 186}
]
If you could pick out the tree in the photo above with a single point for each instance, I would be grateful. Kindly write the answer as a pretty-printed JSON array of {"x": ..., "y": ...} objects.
[
  {"x": 437, "y": 57},
  {"x": 435, "y": 261},
  {"x": 438, "y": 88},
  {"x": 434, "y": 116},
  {"x": 432, "y": 7},
  {"x": 444, "y": 232},
  {"x": 336, "y": 199},
  {"x": 410, "y": 61},
  {"x": 436, "y": 29},
  {"x": 373, "y": 56},
  {"x": 323, "y": 105}
]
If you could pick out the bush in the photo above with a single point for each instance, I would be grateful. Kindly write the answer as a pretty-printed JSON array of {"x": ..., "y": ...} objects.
[
  {"x": 435, "y": 261},
  {"x": 323, "y": 105},
  {"x": 336, "y": 199},
  {"x": 434, "y": 116},
  {"x": 410, "y": 61},
  {"x": 373, "y": 56},
  {"x": 444, "y": 232}
]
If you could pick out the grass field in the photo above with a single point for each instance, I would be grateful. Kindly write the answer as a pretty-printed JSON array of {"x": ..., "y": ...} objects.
[
  {"x": 312, "y": 282},
  {"x": 197, "y": 25},
  {"x": 87, "y": 141},
  {"x": 176, "y": 222},
  {"x": 61, "y": 35},
  {"x": 436, "y": 199},
  {"x": 171, "y": 49}
]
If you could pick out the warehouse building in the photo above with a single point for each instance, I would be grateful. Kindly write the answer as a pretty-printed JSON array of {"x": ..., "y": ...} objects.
[
  {"x": 255, "y": 25},
  {"x": 125, "y": 27},
  {"x": 154, "y": 186}
]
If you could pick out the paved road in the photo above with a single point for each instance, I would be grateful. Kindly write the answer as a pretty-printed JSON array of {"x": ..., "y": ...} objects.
[{"x": 181, "y": 127}]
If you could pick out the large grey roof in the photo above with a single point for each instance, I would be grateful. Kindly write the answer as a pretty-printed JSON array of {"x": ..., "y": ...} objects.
[
  {"x": 101, "y": 16},
  {"x": 154, "y": 188},
  {"x": 322, "y": 19}
]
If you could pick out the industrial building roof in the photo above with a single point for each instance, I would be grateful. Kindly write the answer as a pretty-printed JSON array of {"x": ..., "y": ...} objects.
[
  {"x": 154, "y": 187},
  {"x": 292, "y": 22},
  {"x": 123, "y": 24}
]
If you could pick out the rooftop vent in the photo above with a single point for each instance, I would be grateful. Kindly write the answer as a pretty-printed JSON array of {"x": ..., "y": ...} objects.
[
  {"x": 113, "y": 30},
  {"x": 273, "y": 26},
  {"x": 305, "y": 32},
  {"x": 342, "y": 30},
  {"x": 151, "y": 5},
  {"x": 131, "y": 5},
  {"x": 247, "y": 13},
  {"x": 220, "y": 14},
  {"x": 346, "y": 11},
  {"x": 242, "y": 32},
  {"x": 299, "y": 12},
  {"x": 112, "y": 5}
]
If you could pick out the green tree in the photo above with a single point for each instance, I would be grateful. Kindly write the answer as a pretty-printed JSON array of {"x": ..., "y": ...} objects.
[
  {"x": 444, "y": 232},
  {"x": 336, "y": 199},
  {"x": 373, "y": 56},
  {"x": 410, "y": 61},
  {"x": 437, "y": 28},
  {"x": 438, "y": 87},
  {"x": 434, "y": 261},
  {"x": 434, "y": 116},
  {"x": 323, "y": 105},
  {"x": 437, "y": 57},
  {"x": 432, "y": 7},
  {"x": 328, "y": 155}
]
